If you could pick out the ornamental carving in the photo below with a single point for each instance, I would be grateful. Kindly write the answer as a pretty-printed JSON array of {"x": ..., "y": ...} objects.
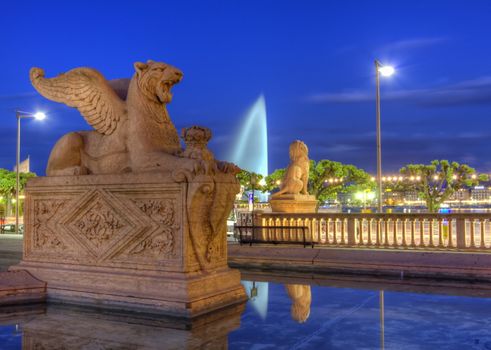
[
  {"x": 99, "y": 224},
  {"x": 161, "y": 244},
  {"x": 161, "y": 211},
  {"x": 44, "y": 237}
]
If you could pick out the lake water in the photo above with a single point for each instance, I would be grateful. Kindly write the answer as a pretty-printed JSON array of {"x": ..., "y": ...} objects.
[{"x": 293, "y": 315}]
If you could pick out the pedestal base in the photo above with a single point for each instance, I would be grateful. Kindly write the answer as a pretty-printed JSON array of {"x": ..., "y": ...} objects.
[
  {"x": 294, "y": 203},
  {"x": 130, "y": 242},
  {"x": 179, "y": 295}
]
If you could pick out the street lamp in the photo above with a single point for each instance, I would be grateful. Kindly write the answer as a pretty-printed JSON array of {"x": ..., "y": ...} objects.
[
  {"x": 385, "y": 71},
  {"x": 19, "y": 115}
]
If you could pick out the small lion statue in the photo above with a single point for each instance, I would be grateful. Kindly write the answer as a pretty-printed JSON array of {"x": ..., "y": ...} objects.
[{"x": 296, "y": 177}]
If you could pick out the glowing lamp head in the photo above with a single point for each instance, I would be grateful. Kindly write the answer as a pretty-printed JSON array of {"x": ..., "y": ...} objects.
[
  {"x": 39, "y": 115},
  {"x": 386, "y": 71}
]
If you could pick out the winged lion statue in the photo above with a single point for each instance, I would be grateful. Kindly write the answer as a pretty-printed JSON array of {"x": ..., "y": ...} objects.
[{"x": 131, "y": 133}]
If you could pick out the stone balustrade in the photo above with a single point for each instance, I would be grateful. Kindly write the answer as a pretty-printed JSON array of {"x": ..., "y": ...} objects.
[{"x": 466, "y": 232}]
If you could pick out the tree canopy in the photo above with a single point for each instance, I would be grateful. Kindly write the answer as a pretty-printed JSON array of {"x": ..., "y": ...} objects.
[
  {"x": 8, "y": 182},
  {"x": 437, "y": 181},
  {"x": 327, "y": 178},
  {"x": 249, "y": 179}
]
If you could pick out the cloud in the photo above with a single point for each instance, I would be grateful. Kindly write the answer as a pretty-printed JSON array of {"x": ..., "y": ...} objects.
[
  {"x": 468, "y": 92},
  {"x": 414, "y": 43}
]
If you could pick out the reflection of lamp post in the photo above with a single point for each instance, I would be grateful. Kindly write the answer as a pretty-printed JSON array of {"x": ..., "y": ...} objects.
[
  {"x": 19, "y": 115},
  {"x": 253, "y": 291},
  {"x": 386, "y": 71},
  {"x": 382, "y": 318}
]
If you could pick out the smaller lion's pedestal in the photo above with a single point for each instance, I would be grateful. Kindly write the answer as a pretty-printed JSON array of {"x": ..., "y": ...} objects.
[
  {"x": 147, "y": 242},
  {"x": 293, "y": 203}
]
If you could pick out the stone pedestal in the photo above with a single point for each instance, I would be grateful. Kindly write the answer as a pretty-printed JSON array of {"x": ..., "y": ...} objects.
[
  {"x": 148, "y": 242},
  {"x": 293, "y": 203}
]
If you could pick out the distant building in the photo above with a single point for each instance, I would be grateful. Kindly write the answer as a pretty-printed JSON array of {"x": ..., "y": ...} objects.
[
  {"x": 480, "y": 193},
  {"x": 461, "y": 195},
  {"x": 411, "y": 196}
]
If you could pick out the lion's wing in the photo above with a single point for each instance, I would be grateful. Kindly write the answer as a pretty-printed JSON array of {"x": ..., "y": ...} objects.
[{"x": 87, "y": 90}]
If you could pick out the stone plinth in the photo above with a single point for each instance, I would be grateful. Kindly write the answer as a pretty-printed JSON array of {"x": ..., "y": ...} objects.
[
  {"x": 145, "y": 241},
  {"x": 293, "y": 203},
  {"x": 20, "y": 287}
]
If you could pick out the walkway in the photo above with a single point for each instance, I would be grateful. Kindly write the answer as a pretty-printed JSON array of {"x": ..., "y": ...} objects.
[
  {"x": 10, "y": 250},
  {"x": 448, "y": 265}
]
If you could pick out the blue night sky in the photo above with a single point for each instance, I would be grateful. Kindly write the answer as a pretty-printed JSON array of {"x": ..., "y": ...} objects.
[{"x": 312, "y": 60}]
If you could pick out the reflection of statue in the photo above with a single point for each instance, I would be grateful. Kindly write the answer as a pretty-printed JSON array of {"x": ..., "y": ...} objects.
[
  {"x": 130, "y": 135},
  {"x": 301, "y": 297},
  {"x": 296, "y": 176}
]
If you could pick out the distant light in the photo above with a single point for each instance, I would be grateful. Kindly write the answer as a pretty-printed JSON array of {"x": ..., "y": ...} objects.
[
  {"x": 40, "y": 116},
  {"x": 373, "y": 179},
  {"x": 386, "y": 71},
  {"x": 400, "y": 178},
  {"x": 262, "y": 182},
  {"x": 474, "y": 176}
]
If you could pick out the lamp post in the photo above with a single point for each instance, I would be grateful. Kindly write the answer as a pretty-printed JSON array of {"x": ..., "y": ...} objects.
[
  {"x": 253, "y": 182},
  {"x": 19, "y": 115},
  {"x": 385, "y": 71}
]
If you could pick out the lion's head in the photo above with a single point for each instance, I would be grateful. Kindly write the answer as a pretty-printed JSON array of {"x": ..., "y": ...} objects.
[
  {"x": 155, "y": 80},
  {"x": 298, "y": 150}
]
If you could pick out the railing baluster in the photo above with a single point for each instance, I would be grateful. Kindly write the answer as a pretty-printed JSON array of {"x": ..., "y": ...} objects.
[
  {"x": 473, "y": 231},
  {"x": 440, "y": 232},
  {"x": 386, "y": 232},
  {"x": 370, "y": 231},
  {"x": 413, "y": 231},
  {"x": 394, "y": 232},
  {"x": 430, "y": 228},
  {"x": 450, "y": 223},
  {"x": 404, "y": 232},
  {"x": 378, "y": 230},
  {"x": 333, "y": 226},
  {"x": 343, "y": 230},
  {"x": 421, "y": 233},
  {"x": 483, "y": 227}
]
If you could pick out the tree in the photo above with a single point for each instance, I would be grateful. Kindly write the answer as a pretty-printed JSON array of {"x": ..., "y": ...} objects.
[
  {"x": 248, "y": 179},
  {"x": 8, "y": 184},
  {"x": 327, "y": 178},
  {"x": 437, "y": 181},
  {"x": 274, "y": 179}
]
